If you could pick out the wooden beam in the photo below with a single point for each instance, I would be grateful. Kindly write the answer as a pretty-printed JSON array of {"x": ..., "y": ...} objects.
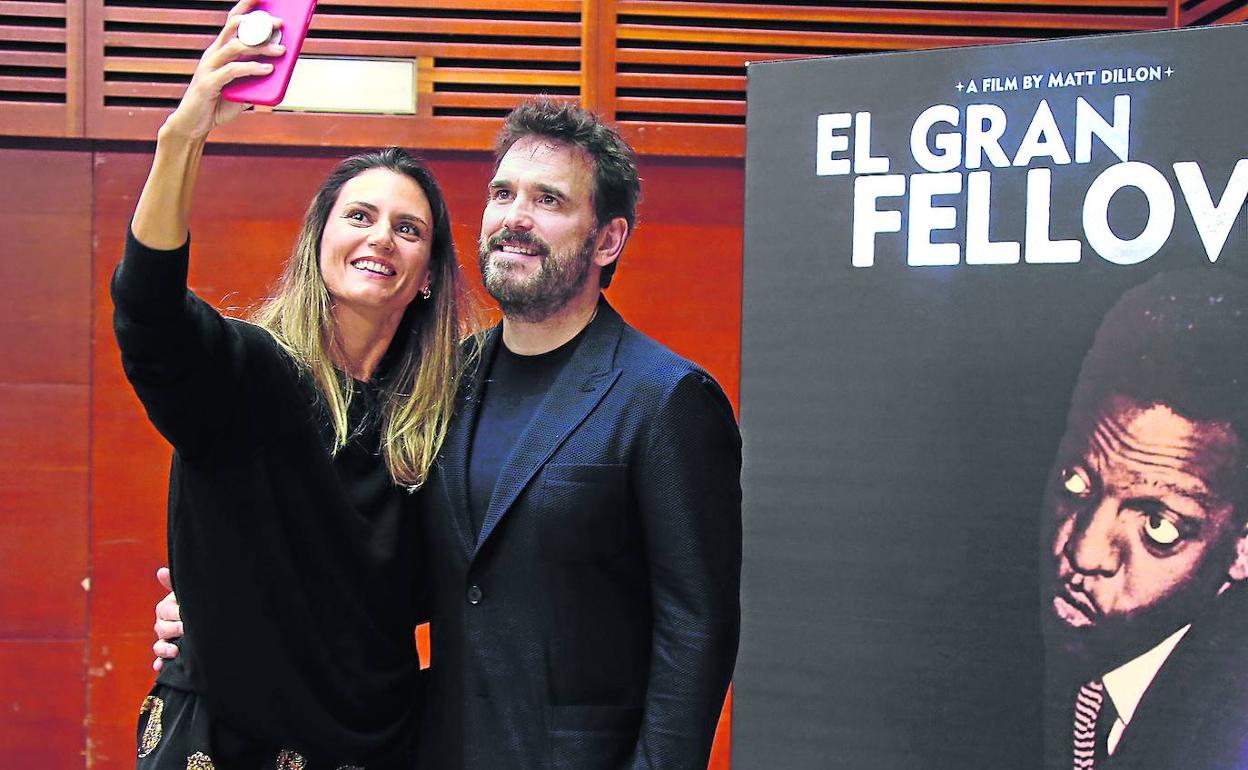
[{"x": 598, "y": 45}]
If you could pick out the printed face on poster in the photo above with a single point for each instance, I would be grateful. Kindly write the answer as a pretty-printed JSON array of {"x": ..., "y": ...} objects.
[{"x": 995, "y": 406}]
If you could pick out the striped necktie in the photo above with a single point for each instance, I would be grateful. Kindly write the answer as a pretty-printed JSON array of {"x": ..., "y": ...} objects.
[{"x": 1087, "y": 706}]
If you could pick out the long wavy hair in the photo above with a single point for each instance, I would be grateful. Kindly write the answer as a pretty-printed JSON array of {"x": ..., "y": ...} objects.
[{"x": 421, "y": 380}]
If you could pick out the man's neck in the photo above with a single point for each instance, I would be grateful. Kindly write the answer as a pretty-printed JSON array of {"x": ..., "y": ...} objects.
[{"x": 531, "y": 338}]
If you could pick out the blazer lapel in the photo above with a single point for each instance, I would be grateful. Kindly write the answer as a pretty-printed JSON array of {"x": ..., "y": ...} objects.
[
  {"x": 585, "y": 379},
  {"x": 458, "y": 442}
]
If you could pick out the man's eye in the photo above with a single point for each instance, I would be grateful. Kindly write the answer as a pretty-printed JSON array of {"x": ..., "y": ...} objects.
[
  {"x": 549, "y": 200},
  {"x": 500, "y": 194},
  {"x": 1076, "y": 484},
  {"x": 1161, "y": 530}
]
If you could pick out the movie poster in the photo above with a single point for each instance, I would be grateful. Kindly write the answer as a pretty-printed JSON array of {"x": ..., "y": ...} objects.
[{"x": 995, "y": 408}]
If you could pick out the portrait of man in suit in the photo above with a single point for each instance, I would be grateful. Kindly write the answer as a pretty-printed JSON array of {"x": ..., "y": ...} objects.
[{"x": 1146, "y": 536}]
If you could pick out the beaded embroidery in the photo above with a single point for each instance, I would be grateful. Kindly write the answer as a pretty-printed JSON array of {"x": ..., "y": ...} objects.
[
  {"x": 154, "y": 707},
  {"x": 199, "y": 761}
]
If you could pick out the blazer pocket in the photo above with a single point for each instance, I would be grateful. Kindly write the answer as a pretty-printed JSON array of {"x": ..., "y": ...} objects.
[
  {"x": 583, "y": 511},
  {"x": 592, "y": 737}
]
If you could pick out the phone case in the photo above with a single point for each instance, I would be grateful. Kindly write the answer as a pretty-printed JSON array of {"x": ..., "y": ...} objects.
[{"x": 269, "y": 89}]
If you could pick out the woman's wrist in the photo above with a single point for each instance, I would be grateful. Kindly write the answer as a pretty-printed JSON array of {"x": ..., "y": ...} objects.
[{"x": 173, "y": 134}]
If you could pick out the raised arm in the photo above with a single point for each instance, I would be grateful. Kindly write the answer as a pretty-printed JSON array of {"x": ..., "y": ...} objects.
[
  {"x": 182, "y": 358},
  {"x": 160, "y": 219}
]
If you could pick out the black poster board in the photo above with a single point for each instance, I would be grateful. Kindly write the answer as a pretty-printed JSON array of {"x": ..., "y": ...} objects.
[{"x": 931, "y": 241}]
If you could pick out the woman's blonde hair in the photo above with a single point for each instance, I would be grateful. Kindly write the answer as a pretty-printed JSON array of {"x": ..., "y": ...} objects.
[{"x": 422, "y": 376}]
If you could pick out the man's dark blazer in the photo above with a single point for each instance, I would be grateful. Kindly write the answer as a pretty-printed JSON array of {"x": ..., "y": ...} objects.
[
  {"x": 593, "y": 623},
  {"x": 1194, "y": 715}
]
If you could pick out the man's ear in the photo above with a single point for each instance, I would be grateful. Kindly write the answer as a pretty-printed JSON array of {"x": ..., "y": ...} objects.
[
  {"x": 610, "y": 241},
  {"x": 1239, "y": 565}
]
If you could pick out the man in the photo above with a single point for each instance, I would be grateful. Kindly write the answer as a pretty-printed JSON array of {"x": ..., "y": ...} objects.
[
  {"x": 1147, "y": 510},
  {"x": 583, "y": 523}
]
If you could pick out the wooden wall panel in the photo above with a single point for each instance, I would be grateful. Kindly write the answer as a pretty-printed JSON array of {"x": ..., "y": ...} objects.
[
  {"x": 45, "y": 226},
  {"x": 41, "y": 686},
  {"x": 43, "y": 495},
  {"x": 44, "y": 399},
  {"x": 679, "y": 279}
]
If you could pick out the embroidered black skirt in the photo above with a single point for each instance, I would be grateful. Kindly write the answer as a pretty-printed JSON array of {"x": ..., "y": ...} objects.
[{"x": 175, "y": 732}]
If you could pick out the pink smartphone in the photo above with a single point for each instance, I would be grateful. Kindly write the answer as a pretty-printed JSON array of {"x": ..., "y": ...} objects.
[{"x": 269, "y": 89}]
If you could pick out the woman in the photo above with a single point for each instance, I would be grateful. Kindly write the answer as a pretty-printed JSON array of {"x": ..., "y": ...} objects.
[{"x": 295, "y": 437}]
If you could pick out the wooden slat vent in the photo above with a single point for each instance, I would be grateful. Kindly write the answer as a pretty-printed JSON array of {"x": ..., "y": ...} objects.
[
  {"x": 33, "y": 53},
  {"x": 680, "y": 62},
  {"x": 670, "y": 72},
  {"x": 1195, "y": 12},
  {"x": 475, "y": 58}
]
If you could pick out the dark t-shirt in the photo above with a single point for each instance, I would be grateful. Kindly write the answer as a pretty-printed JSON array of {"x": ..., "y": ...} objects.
[{"x": 514, "y": 388}]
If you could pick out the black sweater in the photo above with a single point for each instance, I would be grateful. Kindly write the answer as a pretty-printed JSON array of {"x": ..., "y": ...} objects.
[{"x": 295, "y": 568}]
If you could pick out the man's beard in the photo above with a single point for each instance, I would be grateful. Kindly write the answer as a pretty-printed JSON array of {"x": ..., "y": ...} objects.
[{"x": 558, "y": 278}]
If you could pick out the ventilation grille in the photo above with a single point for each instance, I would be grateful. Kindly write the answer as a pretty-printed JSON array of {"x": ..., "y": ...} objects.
[
  {"x": 38, "y": 89},
  {"x": 1193, "y": 12},
  {"x": 683, "y": 62},
  {"x": 671, "y": 72},
  {"x": 33, "y": 52},
  {"x": 474, "y": 58}
]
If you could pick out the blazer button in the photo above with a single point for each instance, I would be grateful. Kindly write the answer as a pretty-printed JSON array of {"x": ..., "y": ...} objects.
[{"x": 475, "y": 595}]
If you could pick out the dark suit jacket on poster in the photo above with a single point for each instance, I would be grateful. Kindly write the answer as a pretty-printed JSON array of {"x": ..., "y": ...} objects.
[
  {"x": 1194, "y": 716},
  {"x": 593, "y": 623}
]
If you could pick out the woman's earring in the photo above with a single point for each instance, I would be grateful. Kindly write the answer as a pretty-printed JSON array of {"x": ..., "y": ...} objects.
[{"x": 426, "y": 292}]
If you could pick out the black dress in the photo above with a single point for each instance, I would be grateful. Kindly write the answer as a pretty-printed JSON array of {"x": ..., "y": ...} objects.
[{"x": 295, "y": 568}]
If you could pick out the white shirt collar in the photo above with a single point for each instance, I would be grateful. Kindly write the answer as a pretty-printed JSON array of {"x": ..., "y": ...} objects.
[{"x": 1126, "y": 684}]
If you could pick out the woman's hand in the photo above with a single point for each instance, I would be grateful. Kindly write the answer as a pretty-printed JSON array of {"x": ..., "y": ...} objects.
[
  {"x": 168, "y": 622},
  {"x": 202, "y": 108},
  {"x": 164, "y": 208}
]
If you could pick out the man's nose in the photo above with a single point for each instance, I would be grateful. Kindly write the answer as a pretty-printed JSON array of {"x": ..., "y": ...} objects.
[
  {"x": 519, "y": 215},
  {"x": 1095, "y": 544}
]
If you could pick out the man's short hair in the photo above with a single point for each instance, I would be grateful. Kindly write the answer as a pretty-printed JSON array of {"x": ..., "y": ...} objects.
[
  {"x": 616, "y": 184},
  {"x": 1179, "y": 339}
]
